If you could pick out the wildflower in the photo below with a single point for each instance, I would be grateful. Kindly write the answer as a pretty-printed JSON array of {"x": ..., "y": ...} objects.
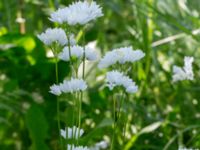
[
  {"x": 72, "y": 132},
  {"x": 120, "y": 55},
  {"x": 100, "y": 145},
  {"x": 77, "y": 52},
  {"x": 80, "y": 12},
  {"x": 56, "y": 35},
  {"x": 73, "y": 85},
  {"x": 90, "y": 54},
  {"x": 116, "y": 78},
  {"x": 68, "y": 86},
  {"x": 72, "y": 147},
  {"x": 55, "y": 89},
  {"x": 185, "y": 72}
]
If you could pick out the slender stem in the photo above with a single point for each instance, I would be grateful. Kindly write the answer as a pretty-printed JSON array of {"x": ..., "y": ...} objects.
[
  {"x": 81, "y": 98},
  {"x": 126, "y": 121},
  {"x": 116, "y": 118},
  {"x": 83, "y": 73},
  {"x": 70, "y": 56},
  {"x": 79, "y": 115},
  {"x": 120, "y": 105},
  {"x": 114, "y": 109},
  {"x": 125, "y": 124},
  {"x": 58, "y": 104}
]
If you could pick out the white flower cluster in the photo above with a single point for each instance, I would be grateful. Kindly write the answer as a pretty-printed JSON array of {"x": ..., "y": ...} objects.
[
  {"x": 120, "y": 55},
  {"x": 72, "y": 147},
  {"x": 185, "y": 72},
  {"x": 72, "y": 132},
  {"x": 100, "y": 145},
  {"x": 116, "y": 78},
  {"x": 184, "y": 148},
  {"x": 56, "y": 35},
  {"x": 80, "y": 12},
  {"x": 78, "y": 52},
  {"x": 68, "y": 86}
]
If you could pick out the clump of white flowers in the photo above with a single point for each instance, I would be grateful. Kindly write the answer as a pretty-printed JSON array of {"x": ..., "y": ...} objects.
[
  {"x": 64, "y": 47},
  {"x": 100, "y": 145},
  {"x": 116, "y": 78},
  {"x": 121, "y": 56},
  {"x": 55, "y": 89},
  {"x": 80, "y": 12},
  {"x": 68, "y": 86},
  {"x": 184, "y": 148},
  {"x": 71, "y": 132},
  {"x": 185, "y": 72},
  {"x": 72, "y": 147},
  {"x": 56, "y": 35}
]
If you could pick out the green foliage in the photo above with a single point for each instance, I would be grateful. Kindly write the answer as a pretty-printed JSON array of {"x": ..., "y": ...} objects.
[
  {"x": 162, "y": 115},
  {"x": 37, "y": 127}
]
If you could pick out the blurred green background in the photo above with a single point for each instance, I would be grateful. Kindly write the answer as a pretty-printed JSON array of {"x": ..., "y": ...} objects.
[{"x": 162, "y": 115}]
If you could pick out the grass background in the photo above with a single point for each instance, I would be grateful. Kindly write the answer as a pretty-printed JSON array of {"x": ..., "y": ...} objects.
[{"x": 162, "y": 115}]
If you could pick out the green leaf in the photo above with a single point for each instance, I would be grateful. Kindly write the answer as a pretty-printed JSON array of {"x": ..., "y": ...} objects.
[
  {"x": 150, "y": 128},
  {"x": 37, "y": 127},
  {"x": 105, "y": 122}
]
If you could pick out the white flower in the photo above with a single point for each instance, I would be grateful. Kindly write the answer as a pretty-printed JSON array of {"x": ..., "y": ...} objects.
[
  {"x": 99, "y": 145},
  {"x": 116, "y": 78},
  {"x": 188, "y": 67},
  {"x": 68, "y": 86},
  {"x": 80, "y": 12},
  {"x": 184, "y": 148},
  {"x": 76, "y": 51},
  {"x": 132, "y": 89},
  {"x": 120, "y": 55},
  {"x": 55, "y": 89},
  {"x": 90, "y": 54},
  {"x": 73, "y": 85},
  {"x": 72, "y": 147},
  {"x": 184, "y": 73},
  {"x": 56, "y": 35},
  {"x": 72, "y": 132}
]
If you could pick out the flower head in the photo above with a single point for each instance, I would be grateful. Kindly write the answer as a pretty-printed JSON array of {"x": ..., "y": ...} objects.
[
  {"x": 121, "y": 55},
  {"x": 73, "y": 85},
  {"x": 55, "y": 89},
  {"x": 80, "y": 12},
  {"x": 185, "y": 72},
  {"x": 76, "y": 51},
  {"x": 71, "y": 132},
  {"x": 116, "y": 78},
  {"x": 56, "y": 35},
  {"x": 100, "y": 145},
  {"x": 72, "y": 147},
  {"x": 90, "y": 54},
  {"x": 68, "y": 86}
]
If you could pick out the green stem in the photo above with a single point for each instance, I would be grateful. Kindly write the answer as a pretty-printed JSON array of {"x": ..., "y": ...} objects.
[
  {"x": 58, "y": 104},
  {"x": 81, "y": 99},
  {"x": 114, "y": 106},
  {"x": 79, "y": 115},
  {"x": 125, "y": 124},
  {"x": 70, "y": 56},
  {"x": 120, "y": 105},
  {"x": 116, "y": 120}
]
